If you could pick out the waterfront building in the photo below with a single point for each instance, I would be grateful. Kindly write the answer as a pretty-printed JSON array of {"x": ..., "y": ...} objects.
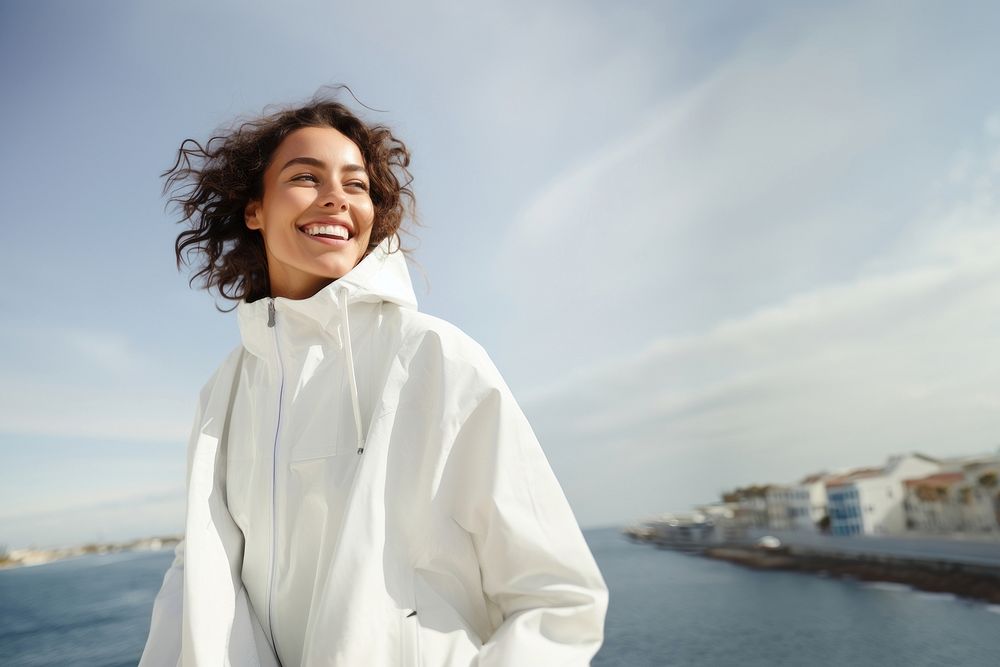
[
  {"x": 931, "y": 503},
  {"x": 778, "y": 500},
  {"x": 682, "y": 530},
  {"x": 869, "y": 501},
  {"x": 807, "y": 502},
  {"x": 749, "y": 506},
  {"x": 722, "y": 518},
  {"x": 963, "y": 498},
  {"x": 980, "y": 496},
  {"x": 778, "y": 507}
]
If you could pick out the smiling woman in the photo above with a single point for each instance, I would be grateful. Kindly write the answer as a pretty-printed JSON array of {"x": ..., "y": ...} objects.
[
  {"x": 315, "y": 214},
  {"x": 362, "y": 487},
  {"x": 229, "y": 188}
]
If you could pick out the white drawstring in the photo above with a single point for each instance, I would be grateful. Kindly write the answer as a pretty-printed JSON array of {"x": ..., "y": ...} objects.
[{"x": 346, "y": 337}]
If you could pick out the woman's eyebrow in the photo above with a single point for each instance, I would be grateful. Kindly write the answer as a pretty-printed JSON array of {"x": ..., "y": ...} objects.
[
  {"x": 314, "y": 162},
  {"x": 311, "y": 161}
]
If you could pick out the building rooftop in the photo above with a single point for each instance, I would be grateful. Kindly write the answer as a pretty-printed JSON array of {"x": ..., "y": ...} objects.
[
  {"x": 940, "y": 478},
  {"x": 815, "y": 477},
  {"x": 859, "y": 473}
]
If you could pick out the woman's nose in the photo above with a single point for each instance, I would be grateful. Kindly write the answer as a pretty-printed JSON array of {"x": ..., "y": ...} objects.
[{"x": 333, "y": 197}]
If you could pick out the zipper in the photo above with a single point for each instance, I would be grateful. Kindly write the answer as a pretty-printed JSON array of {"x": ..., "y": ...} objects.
[{"x": 272, "y": 324}]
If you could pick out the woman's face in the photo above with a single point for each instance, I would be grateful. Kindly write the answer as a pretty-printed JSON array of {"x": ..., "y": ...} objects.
[{"x": 316, "y": 212}]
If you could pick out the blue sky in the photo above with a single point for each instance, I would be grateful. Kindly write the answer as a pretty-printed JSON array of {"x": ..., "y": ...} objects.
[{"x": 707, "y": 244}]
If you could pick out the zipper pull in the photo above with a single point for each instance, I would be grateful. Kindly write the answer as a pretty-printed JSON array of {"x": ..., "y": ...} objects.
[{"x": 270, "y": 312}]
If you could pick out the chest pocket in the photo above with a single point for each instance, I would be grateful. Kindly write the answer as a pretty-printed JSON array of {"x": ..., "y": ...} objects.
[
  {"x": 318, "y": 418},
  {"x": 318, "y": 421}
]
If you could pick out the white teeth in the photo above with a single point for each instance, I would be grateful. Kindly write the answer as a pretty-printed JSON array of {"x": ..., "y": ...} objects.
[{"x": 335, "y": 231}]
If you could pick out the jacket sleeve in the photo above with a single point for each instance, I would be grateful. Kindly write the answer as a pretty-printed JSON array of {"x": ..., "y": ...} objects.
[
  {"x": 535, "y": 565},
  {"x": 163, "y": 645}
]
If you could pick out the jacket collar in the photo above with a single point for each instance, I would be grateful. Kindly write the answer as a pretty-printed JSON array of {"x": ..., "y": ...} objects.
[{"x": 381, "y": 276}]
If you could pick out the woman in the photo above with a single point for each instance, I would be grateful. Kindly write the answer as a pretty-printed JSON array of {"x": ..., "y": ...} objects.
[{"x": 363, "y": 489}]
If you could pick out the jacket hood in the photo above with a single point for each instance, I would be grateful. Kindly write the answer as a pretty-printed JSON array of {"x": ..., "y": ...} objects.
[{"x": 381, "y": 276}]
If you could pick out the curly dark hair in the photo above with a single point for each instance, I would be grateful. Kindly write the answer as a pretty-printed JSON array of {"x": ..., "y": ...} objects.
[{"x": 212, "y": 184}]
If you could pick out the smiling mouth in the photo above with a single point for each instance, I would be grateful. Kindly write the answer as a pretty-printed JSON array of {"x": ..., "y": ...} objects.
[{"x": 334, "y": 232}]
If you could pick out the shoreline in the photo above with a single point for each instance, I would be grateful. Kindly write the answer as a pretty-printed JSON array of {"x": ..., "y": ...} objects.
[
  {"x": 962, "y": 580},
  {"x": 18, "y": 558}
]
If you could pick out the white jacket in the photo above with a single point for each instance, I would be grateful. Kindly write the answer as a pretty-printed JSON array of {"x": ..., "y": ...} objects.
[{"x": 380, "y": 500}]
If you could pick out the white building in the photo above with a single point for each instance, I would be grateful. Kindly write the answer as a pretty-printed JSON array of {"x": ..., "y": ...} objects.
[
  {"x": 749, "y": 506},
  {"x": 964, "y": 497},
  {"x": 778, "y": 500},
  {"x": 705, "y": 525},
  {"x": 869, "y": 501},
  {"x": 722, "y": 517},
  {"x": 932, "y": 503},
  {"x": 778, "y": 507},
  {"x": 980, "y": 496},
  {"x": 807, "y": 504}
]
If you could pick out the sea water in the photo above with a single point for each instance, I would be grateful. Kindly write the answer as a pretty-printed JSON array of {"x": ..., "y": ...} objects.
[{"x": 666, "y": 608}]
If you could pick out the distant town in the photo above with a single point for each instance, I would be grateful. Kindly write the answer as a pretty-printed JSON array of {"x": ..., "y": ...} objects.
[
  {"x": 920, "y": 521},
  {"x": 910, "y": 495},
  {"x": 27, "y": 557}
]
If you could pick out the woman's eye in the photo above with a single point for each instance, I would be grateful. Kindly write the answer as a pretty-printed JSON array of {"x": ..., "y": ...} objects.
[
  {"x": 306, "y": 177},
  {"x": 359, "y": 184}
]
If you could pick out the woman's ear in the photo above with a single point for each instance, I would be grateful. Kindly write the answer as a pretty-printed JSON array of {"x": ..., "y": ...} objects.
[{"x": 251, "y": 215}]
